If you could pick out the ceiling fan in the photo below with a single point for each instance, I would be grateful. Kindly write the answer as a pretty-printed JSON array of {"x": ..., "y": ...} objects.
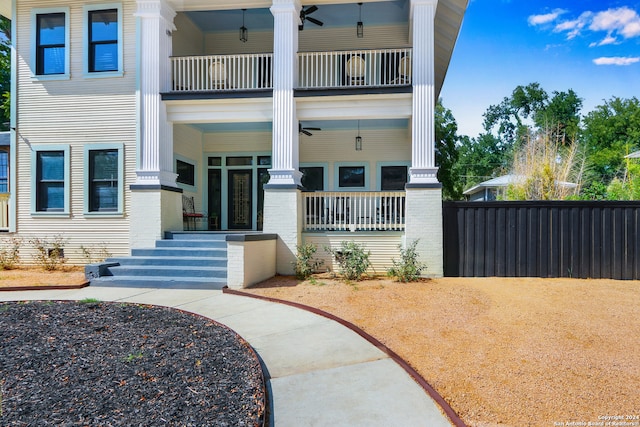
[
  {"x": 306, "y": 130},
  {"x": 303, "y": 17}
]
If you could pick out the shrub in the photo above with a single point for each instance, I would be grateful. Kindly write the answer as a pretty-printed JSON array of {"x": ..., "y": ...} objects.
[
  {"x": 9, "y": 254},
  {"x": 305, "y": 265},
  {"x": 408, "y": 269},
  {"x": 352, "y": 259},
  {"x": 49, "y": 254},
  {"x": 94, "y": 254}
]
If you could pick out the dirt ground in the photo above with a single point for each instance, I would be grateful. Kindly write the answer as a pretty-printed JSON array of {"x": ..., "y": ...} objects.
[
  {"x": 502, "y": 352},
  {"x": 37, "y": 277}
]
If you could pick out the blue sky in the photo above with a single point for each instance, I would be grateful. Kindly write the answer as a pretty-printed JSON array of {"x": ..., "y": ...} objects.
[{"x": 590, "y": 46}]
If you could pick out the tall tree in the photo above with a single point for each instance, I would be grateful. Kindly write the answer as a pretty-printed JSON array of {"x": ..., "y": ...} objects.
[
  {"x": 611, "y": 131},
  {"x": 560, "y": 117},
  {"x": 480, "y": 158},
  {"x": 446, "y": 153},
  {"x": 5, "y": 72}
]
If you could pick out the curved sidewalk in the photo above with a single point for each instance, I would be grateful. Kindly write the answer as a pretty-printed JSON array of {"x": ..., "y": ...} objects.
[{"x": 320, "y": 373}]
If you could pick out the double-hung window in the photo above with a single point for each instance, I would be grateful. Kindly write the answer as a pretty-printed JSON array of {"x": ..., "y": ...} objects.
[
  {"x": 50, "y": 48},
  {"x": 104, "y": 179},
  {"x": 50, "y": 179},
  {"x": 103, "y": 40}
]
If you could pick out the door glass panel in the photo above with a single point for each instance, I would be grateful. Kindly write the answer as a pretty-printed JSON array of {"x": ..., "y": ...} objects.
[
  {"x": 240, "y": 193},
  {"x": 240, "y": 161},
  {"x": 215, "y": 198}
]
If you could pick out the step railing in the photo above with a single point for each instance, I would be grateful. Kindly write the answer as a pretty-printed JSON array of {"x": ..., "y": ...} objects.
[
  {"x": 354, "y": 211},
  {"x": 222, "y": 72},
  {"x": 354, "y": 68}
]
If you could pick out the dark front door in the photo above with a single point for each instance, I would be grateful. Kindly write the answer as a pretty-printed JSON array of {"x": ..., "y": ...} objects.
[{"x": 240, "y": 194}]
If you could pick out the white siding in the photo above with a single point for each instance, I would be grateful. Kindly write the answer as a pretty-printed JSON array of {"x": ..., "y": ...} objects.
[
  {"x": 187, "y": 142},
  {"x": 76, "y": 112},
  {"x": 383, "y": 248},
  {"x": 237, "y": 142},
  {"x": 187, "y": 37}
]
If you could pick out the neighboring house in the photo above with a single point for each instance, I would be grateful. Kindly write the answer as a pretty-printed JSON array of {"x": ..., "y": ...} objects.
[
  {"x": 271, "y": 122},
  {"x": 634, "y": 155},
  {"x": 495, "y": 188}
]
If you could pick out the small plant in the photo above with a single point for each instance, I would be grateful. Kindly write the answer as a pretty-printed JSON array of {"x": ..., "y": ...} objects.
[
  {"x": 305, "y": 265},
  {"x": 93, "y": 254},
  {"x": 133, "y": 356},
  {"x": 49, "y": 254},
  {"x": 89, "y": 301},
  {"x": 352, "y": 259},
  {"x": 408, "y": 269},
  {"x": 9, "y": 254}
]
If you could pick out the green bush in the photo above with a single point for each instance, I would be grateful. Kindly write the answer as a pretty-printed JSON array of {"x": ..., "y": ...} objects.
[
  {"x": 408, "y": 268},
  {"x": 9, "y": 253},
  {"x": 305, "y": 265},
  {"x": 352, "y": 259},
  {"x": 49, "y": 254}
]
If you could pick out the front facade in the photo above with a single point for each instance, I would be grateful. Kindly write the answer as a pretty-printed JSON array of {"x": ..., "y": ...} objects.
[{"x": 317, "y": 133}]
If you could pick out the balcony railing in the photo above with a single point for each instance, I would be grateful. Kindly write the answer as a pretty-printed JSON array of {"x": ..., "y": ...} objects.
[
  {"x": 381, "y": 67},
  {"x": 316, "y": 70},
  {"x": 354, "y": 211},
  {"x": 222, "y": 72}
]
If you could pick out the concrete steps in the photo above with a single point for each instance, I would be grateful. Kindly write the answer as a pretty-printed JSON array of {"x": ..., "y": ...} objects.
[{"x": 183, "y": 260}]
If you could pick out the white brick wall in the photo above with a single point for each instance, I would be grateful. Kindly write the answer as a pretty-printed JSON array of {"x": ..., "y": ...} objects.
[
  {"x": 424, "y": 222},
  {"x": 283, "y": 216},
  {"x": 250, "y": 262},
  {"x": 152, "y": 213}
]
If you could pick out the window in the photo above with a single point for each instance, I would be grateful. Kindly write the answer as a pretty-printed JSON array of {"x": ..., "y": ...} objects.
[
  {"x": 103, "y": 40},
  {"x": 51, "y": 38},
  {"x": 104, "y": 164},
  {"x": 186, "y": 173},
  {"x": 313, "y": 178},
  {"x": 393, "y": 178},
  {"x": 4, "y": 171},
  {"x": 50, "y": 179},
  {"x": 103, "y": 184},
  {"x": 351, "y": 176}
]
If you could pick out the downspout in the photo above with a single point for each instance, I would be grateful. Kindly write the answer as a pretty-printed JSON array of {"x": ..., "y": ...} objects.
[{"x": 13, "y": 121}]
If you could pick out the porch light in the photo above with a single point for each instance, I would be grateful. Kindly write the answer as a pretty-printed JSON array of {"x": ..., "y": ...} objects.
[
  {"x": 358, "y": 139},
  {"x": 244, "y": 33},
  {"x": 360, "y": 25}
]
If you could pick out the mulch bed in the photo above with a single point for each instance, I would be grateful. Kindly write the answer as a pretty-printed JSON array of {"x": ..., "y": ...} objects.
[{"x": 108, "y": 364}]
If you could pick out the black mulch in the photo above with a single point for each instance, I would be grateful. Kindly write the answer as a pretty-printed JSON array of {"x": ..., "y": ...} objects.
[{"x": 108, "y": 364}]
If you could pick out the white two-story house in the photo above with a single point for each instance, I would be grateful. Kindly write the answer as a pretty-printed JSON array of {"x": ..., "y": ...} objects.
[{"x": 312, "y": 122}]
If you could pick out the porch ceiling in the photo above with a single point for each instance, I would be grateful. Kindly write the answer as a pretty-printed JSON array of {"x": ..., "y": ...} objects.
[{"x": 325, "y": 125}]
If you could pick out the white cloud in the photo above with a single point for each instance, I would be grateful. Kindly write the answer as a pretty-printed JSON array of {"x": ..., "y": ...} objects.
[
  {"x": 605, "y": 41},
  {"x": 546, "y": 17},
  {"x": 575, "y": 26},
  {"x": 622, "y": 20},
  {"x": 616, "y": 60}
]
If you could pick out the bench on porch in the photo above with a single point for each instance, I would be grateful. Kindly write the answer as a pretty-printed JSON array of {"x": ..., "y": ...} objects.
[{"x": 189, "y": 214}]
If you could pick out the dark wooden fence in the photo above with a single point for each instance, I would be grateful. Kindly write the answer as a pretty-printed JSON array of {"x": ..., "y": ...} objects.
[{"x": 542, "y": 239}]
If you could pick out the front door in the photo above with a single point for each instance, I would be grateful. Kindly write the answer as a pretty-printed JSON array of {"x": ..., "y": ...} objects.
[{"x": 240, "y": 195}]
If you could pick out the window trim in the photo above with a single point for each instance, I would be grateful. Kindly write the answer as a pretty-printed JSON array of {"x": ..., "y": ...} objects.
[
  {"x": 380, "y": 165},
  {"x": 86, "y": 189},
  {"x": 336, "y": 174},
  {"x": 66, "y": 149},
  {"x": 34, "y": 48},
  {"x": 85, "y": 41},
  {"x": 196, "y": 177}
]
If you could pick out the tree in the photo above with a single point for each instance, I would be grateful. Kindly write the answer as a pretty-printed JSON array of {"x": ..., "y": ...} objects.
[
  {"x": 446, "y": 153},
  {"x": 610, "y": 132},
  {"x": 480, "y": 159},
  {"x": 5, "y": 72},
  {"x": 560, "y": 117}
]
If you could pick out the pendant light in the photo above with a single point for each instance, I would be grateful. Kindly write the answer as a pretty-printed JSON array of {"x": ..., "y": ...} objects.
[
  {"x": 244, "y": 33},
  {"x": 360, "y": 25},
  {"x": 358, "y": 139}
]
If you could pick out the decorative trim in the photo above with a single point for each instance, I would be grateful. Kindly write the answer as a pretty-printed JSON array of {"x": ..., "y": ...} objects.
[
  {"x": 228, "y": 94},
  {"x": 85, "y": 41},
  {"x": 300, "y": 93},
  {"x": 154, "y": 187},
  {"x": 66, "y": 149},
  {"x": 423, "y": 185},
  {"x": 86, "y": 192},
  {"x": 67, "y": 44}
]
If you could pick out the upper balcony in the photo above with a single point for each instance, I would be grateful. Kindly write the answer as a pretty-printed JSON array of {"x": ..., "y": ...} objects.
[{"x": 351, "y": 69}]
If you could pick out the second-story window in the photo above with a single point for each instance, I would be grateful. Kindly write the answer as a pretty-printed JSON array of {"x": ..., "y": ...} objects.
[
  {"x": 50, "y": 43},
  {"x": 103, "y": 40}
]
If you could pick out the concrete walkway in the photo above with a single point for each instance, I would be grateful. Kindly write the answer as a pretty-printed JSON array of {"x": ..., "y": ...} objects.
[{"x": 320, "y": 373}]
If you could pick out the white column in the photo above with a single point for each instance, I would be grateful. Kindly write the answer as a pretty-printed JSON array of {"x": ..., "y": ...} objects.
[
  {"x": 423, "y": 169},
  {"x": 284, "y": 156},
  {"x": 155, "y": 155}
]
